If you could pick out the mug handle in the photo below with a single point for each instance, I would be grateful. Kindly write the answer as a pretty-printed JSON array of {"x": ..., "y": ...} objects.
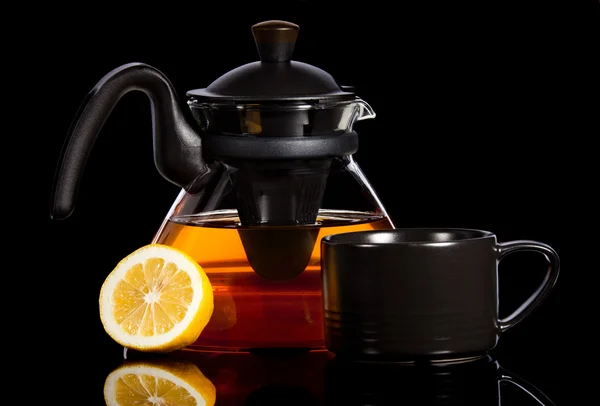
[
  {"x": 535, "y": 393},
  {"x": 506, "y": 248}
]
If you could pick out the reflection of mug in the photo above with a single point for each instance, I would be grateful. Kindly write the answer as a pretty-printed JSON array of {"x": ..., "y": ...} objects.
[
  {"x": 412, "y": 293},
  {"x": 475, "y": 382}
]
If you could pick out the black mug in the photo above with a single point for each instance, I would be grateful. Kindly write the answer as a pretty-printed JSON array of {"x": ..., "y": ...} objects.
[{"x": 407, "y": 294}]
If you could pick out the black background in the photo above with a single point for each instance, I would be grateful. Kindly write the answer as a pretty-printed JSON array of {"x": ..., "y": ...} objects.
[{"x": 469, "y": 132}]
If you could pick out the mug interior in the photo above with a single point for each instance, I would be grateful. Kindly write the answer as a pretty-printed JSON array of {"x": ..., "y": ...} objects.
[{"x": 406, "y": 236}]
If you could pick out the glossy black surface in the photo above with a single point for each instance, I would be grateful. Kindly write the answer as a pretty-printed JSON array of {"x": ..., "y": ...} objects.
[
  {"x": 321, "y": 379},
  {"x": 420, "y": 292}
]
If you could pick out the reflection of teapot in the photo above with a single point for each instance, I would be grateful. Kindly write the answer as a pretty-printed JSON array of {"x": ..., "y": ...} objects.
[
  {"x": 249, "y": 379},
  {"x": 264, "y": 157},
  {"x": 160, "y": 382},
  {"x": 243, "y": 378},
  {"x": 457, "y": 383}
]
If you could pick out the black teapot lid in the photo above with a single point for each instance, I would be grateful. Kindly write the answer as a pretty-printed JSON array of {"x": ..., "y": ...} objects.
[{"x": 276, "y": 77}]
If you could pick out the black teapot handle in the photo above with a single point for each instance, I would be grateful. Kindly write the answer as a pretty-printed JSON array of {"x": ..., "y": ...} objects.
[{"x": 177, "y": 142}]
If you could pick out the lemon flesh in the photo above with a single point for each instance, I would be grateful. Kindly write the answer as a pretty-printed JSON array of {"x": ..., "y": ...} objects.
[{"x": 156, "y": 299}]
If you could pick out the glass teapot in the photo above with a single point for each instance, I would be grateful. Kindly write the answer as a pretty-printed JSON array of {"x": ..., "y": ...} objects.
[{"x": 264, "y": 159}]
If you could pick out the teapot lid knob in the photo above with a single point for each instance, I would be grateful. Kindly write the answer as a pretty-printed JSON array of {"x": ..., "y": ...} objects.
[{"x": 275, "y": 40}]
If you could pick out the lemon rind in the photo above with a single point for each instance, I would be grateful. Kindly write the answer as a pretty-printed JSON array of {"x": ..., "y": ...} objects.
[{"x": 163, "y": 341}]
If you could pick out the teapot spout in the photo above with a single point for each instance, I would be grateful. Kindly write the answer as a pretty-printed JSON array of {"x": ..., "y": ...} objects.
[
  {"x": 176, "y": 140},
  {"x": 365, "y": 110}
]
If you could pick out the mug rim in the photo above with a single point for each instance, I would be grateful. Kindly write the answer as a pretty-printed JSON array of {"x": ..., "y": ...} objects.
[{"x": 365, "y": 238}]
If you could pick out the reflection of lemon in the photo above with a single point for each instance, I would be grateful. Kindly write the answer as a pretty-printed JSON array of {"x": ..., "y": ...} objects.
[
  {"x": 156, "y": 299},
  {"x": 158, "y": 383}
]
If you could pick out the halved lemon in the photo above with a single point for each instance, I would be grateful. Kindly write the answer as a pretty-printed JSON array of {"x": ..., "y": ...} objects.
[
  {"x": 149, "y": 383},
  {"x": 157, "y": 299}
]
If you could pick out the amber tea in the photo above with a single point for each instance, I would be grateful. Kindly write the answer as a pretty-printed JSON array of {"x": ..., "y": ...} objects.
[{"x": 267, "y": 291}]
